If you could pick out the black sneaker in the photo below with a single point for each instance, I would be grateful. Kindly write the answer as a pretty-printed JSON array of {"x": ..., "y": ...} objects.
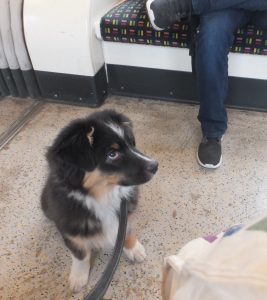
[
  {"x": 162, "y": 13},
  {"x": 209, "y": 153}
]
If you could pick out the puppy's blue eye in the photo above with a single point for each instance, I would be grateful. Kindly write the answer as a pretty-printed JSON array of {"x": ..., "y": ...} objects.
[{"x": 113, "y": 155}]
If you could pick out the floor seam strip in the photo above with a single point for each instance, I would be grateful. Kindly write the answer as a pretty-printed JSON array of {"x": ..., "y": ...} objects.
[{"x": 16, "y": 126}]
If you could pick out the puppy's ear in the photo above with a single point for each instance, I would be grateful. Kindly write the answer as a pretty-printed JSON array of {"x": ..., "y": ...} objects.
[
  {"x": 128, "y": 123},
  {"x": 75, "y": 149},
  {"x": 125, "y": 121},
  {"x": 128, "y": 127},
  {"x": 90, "y": 136}
]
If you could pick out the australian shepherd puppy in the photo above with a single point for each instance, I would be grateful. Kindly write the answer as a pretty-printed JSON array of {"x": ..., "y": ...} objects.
[{"x": 93, "y": 165}]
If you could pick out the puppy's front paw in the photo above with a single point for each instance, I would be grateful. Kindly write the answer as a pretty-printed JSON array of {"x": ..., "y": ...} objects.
[
  {"x": 78, "y": 281},
  {"x": 137, "y": 253},
  {"x": 79, "y": 273}
]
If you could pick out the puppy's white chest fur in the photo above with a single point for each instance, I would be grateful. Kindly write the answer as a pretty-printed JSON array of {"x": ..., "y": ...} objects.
[{"x": 106, "y": 210}]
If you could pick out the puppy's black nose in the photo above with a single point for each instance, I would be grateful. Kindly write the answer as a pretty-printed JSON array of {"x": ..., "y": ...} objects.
[{"x": 152, "y": 167}]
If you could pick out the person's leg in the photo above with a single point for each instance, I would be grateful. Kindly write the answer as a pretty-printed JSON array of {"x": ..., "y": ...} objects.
[
  {"x": 259, "y": 19},
  {"x": 204, "y": 6},
  {"x": 213, "y": 41},
  {"x": 162, "y": 13},
  {"x": 253, "y": 5}
]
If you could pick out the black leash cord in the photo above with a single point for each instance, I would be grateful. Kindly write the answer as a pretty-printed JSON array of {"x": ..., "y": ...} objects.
[{"x": 98, "y": 292}]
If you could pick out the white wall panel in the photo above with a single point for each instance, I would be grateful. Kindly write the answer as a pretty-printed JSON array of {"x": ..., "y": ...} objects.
[
  {"x": 59, "y": 35},
  {"x": 177, "y": 59}
]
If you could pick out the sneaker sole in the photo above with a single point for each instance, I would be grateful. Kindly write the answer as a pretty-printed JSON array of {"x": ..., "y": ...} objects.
[
  {"x": 209, "y": 166},
  {"x": 152, "y": 16}
]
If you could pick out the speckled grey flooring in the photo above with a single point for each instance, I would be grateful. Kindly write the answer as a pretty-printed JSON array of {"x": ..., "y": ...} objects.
[
  {"x": 10, "y": 110},
  {"x": 183, "y": 201}
]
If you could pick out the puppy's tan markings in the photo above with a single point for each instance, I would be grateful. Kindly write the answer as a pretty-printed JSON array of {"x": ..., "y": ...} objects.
[
  {"x": 115, "y": 146},
  {"x": 80, "y": 242},
  {"x": 133, "y": 249},
  {"x": 90, "y": 136},
  {"x": 99, "y": 184},
  {"x": 91, "y": 179},
  {"x": 130, "y": 241}
]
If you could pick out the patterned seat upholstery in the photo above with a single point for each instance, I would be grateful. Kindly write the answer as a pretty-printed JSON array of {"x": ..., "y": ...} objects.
[{"x": 128, "y": 23}]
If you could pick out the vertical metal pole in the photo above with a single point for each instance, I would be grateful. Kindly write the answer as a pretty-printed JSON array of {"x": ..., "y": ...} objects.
[
  {"x": 16, "y": 14},
  {"x": 8, "y": 86},
  {"x": 9, "y": 49}
]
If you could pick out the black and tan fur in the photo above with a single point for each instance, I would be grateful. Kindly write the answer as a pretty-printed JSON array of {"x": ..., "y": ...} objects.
[{"x": 93, "y": 165}]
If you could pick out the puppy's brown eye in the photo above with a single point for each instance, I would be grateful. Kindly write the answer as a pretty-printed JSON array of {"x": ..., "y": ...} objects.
[{"x": 113, "y": 155}]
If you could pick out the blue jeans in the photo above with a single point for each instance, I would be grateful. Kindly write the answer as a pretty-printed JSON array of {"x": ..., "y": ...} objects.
[{"x": 219, "y": 19}]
